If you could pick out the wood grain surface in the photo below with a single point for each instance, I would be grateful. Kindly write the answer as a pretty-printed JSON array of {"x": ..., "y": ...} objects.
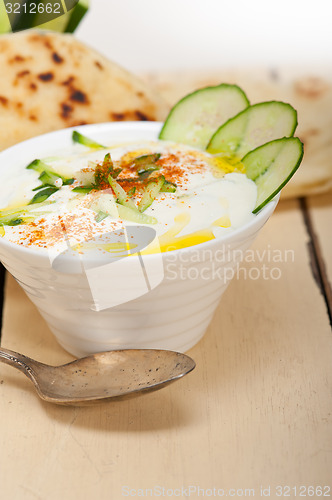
[{"x": 256, "y": 411}]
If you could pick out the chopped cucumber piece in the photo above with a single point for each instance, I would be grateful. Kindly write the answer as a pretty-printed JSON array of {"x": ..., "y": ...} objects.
[
  {"x": 168, "y": 187},
  {"x": 105, "y": 203},
  {"x": 22, "y": 213},
  {"x": 39, "y": 166},
  {"x": 151, "y": 191},
  {"x": 85, "y": 141},
  {"x": 271, "y": 166},
  {"x": 101, "y": 216},
  {"x": 47, "y": 174},
  {"x": 86, "y": 176},
  {"x": 132, "y": 191},
  {"x": 256, "y": 125},
  {"x": 123, "y": 197},
  {"x": 127, "y": 213},
  {"x": 146, "y": 164},
  {"x": 142, "y": 162},
  {"x": 196, "y": 117}
]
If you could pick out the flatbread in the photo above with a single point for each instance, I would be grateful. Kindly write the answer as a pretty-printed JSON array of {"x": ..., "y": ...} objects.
[
  {"x": 49, "y": 81},
  {"x": 310, "y": 92}
]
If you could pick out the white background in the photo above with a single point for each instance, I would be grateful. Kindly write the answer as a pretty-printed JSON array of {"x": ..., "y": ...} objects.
[{"x": 163, "y": 35}]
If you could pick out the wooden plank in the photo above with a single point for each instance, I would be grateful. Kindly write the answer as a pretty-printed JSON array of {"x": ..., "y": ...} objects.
[
  {"x": 320, "y": 219},
  {"x": 2, "y": 287},
  {"x": 256, "y": 411}
]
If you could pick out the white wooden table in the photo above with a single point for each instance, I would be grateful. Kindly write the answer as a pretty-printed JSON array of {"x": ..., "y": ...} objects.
[{"x": 256, "y": 412}]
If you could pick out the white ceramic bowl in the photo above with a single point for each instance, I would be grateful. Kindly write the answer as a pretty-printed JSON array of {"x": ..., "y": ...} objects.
[{"x": 185, "y": 285}]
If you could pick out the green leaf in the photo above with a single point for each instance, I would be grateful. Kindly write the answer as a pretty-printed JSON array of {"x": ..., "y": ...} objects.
[{"x": 43, "y": 195}]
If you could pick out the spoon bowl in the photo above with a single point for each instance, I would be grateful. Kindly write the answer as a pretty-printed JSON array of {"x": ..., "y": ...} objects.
[{"x": 105, "y": 375}]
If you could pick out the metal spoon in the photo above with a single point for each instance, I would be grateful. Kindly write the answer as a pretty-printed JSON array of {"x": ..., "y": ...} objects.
[{"x": 103, "y": 375}]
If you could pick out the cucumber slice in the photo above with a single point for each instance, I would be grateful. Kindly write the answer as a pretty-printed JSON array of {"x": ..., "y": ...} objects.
[
  {"x": 271, "y": 166},
  {"x": 66, "y": 22},
  {"x": 256, "y": 125},
  {"x": 85, "y": 141},
  {"x": 76, "y": 15},
  {"x": 196, "y": 117}
]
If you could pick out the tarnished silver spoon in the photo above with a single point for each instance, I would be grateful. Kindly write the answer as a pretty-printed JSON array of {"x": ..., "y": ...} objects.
[{"x": 112, "y": 374}]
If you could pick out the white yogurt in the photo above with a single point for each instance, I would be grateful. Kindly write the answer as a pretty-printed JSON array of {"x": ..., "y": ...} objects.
[{"x": 208, "y": 201}]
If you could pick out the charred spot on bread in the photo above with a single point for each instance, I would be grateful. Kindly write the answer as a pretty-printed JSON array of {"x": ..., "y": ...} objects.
[
  {"x": 16, "y": 58},
  {"x": 3, "y": 101},
  {"x": 46, "y": 77},
  {"x": 79, "y": 96},
  {"x": 69, "y": 81},
  {"x": 23, "y": 73},
  {"x": 142, "y": 116},
  {"x": 99, "y": 65},
  {"x": 57, "y": 58},
  {"x": 66, "y": 110}
]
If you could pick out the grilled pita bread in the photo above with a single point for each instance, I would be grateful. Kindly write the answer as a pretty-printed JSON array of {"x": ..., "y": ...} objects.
[
  {"x": 309, "y": 92},
  {"x": 50, "y": 81}
]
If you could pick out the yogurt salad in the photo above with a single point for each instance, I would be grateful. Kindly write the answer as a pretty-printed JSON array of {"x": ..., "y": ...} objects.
[
  {"x": 194, "y": 183},
  {"x": 186, "y": 195}
]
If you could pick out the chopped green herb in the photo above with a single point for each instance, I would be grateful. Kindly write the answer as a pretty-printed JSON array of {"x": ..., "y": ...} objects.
[
  {"x": 15, "y": 222},
  {"x": 103, "y": 171},
  {"x": 43, "y": 195},
  {"x": 83, "y": 189}
]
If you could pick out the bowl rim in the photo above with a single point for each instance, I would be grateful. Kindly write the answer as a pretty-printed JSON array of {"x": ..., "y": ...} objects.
[{"x": 260, "y": 218}]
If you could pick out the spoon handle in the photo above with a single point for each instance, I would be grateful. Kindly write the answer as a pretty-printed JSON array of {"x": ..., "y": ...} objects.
[{"x": 19, "y": 361}]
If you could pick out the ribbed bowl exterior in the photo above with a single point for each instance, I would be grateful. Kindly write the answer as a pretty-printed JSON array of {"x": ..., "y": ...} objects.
[
  {"x": 174, "y": 315},
  {"x": 186, "y": 284}
]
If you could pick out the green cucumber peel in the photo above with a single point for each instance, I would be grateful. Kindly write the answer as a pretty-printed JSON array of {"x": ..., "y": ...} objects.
[
  {"x": 195, "y": 118},
  {"x": 47, "y": 175},
  {"x": 256, "y": 125},
  {"x": 128, "y": 214},
  {"x": 168, "y": 187},
  {"x": 146, "y": 160},
  {"x": 152, "y": 189},
  {"x": 121, "y": 195},
  {"x": 22, "y": 212},
  {"x": 85, "y": 141},
  {"x": 271, "y": 166}
]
